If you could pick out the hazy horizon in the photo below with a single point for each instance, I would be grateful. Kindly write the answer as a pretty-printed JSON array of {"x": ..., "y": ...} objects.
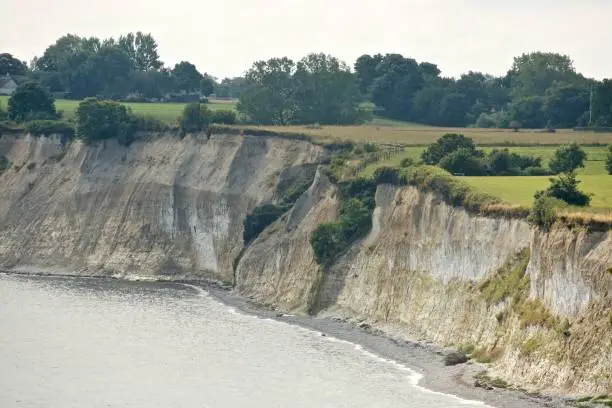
[{"x": 224, "y": 39}]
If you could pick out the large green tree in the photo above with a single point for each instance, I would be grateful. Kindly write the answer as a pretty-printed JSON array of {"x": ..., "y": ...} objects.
[
  {"x": 325, "y": 91},
  {"x": 31, "y": 101},
  {"x": 398, "y": 80},
  {"x": 11, "y": 65},
  {"x": 269, "y": 97},
  {"x": 565, "y": 104},
  {"x": 365, "y": 70},
  {"x": 142, "y": 50},
  {"x": 533, "y": 73},
  {"x": 187, "y": 76}
]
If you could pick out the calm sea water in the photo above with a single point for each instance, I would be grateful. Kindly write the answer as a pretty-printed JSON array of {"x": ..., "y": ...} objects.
[{"x": 68, "y": 343}]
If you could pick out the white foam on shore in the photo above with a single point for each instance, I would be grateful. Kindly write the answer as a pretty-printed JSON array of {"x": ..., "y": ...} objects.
[{"x": 413, "y": 376}]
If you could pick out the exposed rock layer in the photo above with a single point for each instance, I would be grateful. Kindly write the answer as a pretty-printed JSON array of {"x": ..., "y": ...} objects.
[{"x": 174, "y": 209}]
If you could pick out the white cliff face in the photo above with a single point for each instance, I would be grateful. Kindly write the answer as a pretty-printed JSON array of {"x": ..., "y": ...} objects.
[
  {"x": 174, "y": 209},
  {"x": 417, "y": 275},
  {"x": 168, "y": 207}
]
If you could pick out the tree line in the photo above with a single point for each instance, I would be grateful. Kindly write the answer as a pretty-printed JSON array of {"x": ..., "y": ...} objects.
[
  {"x": 540, "y": 90},
  {"x": 128, "y": 67}
]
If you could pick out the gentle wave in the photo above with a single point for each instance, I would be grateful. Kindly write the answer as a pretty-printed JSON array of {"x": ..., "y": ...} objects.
[{"x": 413, "y": 377}]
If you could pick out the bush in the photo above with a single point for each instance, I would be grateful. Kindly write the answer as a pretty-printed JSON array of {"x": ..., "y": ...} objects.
[
  {"x": 196, "y": 117},
  {"x": 327, "y": 241},
  {"x": 30, "y": 98},
  {"x": 567, "y": 158},
  {"x": 464, "y": 162},
  {"x": 386, "y": 175},
  {"x": 565, "y": 188},
  {"x": 503, "y": 162},
  {"x": 259, "y": 219},
  {"x": 101, "y": 120},
  {"x": 50, "y": 127},
  {"x": 147, "y": 123},
  {"x": 486, "y": 121},
  {"x": 224, "y": 117},
  {"x": 455, "y": 358},
  {"x": 330, "y": 239},
  {"x": 445, "y": 145},
  {"x": 609, "y": 160},
  {"x": 536, "y": 171},
  {"x": 407, "y": 162}
]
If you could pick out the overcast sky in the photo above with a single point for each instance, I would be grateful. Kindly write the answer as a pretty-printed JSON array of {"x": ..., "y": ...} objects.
[{"x": 224, "y": 37}]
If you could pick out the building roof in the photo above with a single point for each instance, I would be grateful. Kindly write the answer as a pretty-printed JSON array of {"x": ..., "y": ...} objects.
[{"x": 5, "y": 79}]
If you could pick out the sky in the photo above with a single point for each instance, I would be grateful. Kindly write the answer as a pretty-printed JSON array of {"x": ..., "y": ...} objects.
[{"x": 224, "y": 37}]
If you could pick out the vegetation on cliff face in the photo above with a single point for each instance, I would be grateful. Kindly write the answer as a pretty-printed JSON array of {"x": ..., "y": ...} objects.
[{"x": 357, "y": 205}]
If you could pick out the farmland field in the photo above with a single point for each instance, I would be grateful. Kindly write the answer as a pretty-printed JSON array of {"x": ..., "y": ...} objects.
[
  {"x": 167, "y": 112},
  {"x": 417, "y": 135},
  {"x": 520, "y": 190}
]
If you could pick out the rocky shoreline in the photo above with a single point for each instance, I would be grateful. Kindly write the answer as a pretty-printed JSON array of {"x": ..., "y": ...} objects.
[{"x": 425, "y": 358}]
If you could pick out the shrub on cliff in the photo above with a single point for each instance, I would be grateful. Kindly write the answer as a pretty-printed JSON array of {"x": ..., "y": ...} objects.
[
  {"x": 544, "y": 211},
  {"x": 259, "y": 219},
  {"x": 224, "y": 117},
  {"x": 50, "y": 127},
  {"x": 195, "y": 118},
  {"x": 565, "y": 187},
  {"x": 101, "y": 120},
  {"x": 357, "y": 205}
]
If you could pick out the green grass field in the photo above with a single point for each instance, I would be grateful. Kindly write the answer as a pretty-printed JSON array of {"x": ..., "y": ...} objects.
[
  {"x": 520, "y": 190},
  {"x": 167, "y": 112}
]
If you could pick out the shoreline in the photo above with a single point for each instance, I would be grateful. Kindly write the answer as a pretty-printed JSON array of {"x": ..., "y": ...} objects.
[{"x": 425, "y": 359}]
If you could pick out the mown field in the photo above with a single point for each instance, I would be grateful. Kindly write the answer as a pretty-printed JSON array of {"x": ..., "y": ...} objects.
[
  {"x": 167, "y": 112},
  {"x": 520, "y": 190}
]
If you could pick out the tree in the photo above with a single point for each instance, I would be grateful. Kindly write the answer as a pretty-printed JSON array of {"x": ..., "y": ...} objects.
[
  {"x": 111, "y": 70},
  {"x": 187, "y": 77},
  {"x": 365, "y": 70},
  {"x": 602, "y": 103},
  {"x": 398, "y": 80},
  {"x": 207, "y": 85},
  {"x": 11, "y": 65},
  {"x": 567, "y": 158},
  {"x": 528, "y": 112},
  {"x": 532, "y": 74},
  {"x": 503, "y": 162},
  {"x": 142, "y": 51},
  {"x": 463, "y": 161},
  {"x": 564, "y": 104},
  {"x": 30, "y": 99},
  {"x": 448, "y": 143},
  {"x": 269, "y": 97},
  {"x": 325, "y": 91},
  {"x": 609, "y": 160},
  {"x": 565, "y": 187},
  {"x": 100, "y": 120},
  {"x": 454, "y": 108}
]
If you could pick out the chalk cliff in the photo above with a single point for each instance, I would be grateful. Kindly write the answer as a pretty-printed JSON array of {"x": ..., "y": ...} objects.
[{"x": 174, "y": 209}]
